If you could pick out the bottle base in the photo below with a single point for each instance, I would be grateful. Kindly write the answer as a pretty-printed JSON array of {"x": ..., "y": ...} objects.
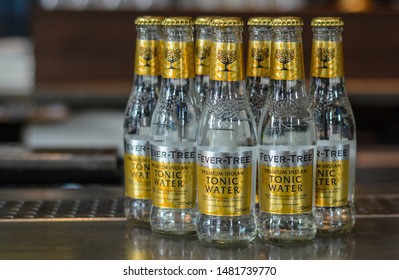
[
  {"x": 170, "y": 221},
  {"x": 172, "y": 232},
  {"x": 226, "y": 243},
  {"x": 286, "y": 238},
  {"x": 335, "y": 220},
  {"x": 226, "y": 231},
  {"x": 278, "y": 228},
  {"x": 137, "y": 210}
]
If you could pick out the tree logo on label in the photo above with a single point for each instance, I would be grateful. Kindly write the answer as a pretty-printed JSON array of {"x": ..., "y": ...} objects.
[
  {"x": 325, "y": 55},
  {"x": 202, "y": 53},
  {"x": 226, "y": 57},
  {"x": 171, "y": 56},
  {"x": 147, "y": 54},
  {"x": 285, "y": 56},
  {"x": 259, "y": 55}
]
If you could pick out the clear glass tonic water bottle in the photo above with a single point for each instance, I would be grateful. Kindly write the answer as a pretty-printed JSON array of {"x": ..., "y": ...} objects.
[
  {"x": 173, "y": 134},
  {"x": 287, "y": 145},
  {"x": 336, "y": 130},
  {"x": 203, "y": 36},
  {"x": 258, "y": 63},
  {"x": 226, "y": 161},
  {"x": 258, "y": 69},
  {"x": 137, "y": 121}
]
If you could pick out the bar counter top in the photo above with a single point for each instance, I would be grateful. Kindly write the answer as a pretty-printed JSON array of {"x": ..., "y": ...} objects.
[
  {"x": 373, "y": 238},
  {"x": 28, "y": 235}
]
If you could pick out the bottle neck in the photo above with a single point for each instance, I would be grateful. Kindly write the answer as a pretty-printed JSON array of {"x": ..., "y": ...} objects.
[
  {"x": 182, "y": 33},
  {"x": 287, "y": 34},
  {"x": 227, "y": 34},
  {"x": 286, "y": 61},
  {"x": 203, "y": 32},
  {"x": 327, "y": 53},
  {"x": 148, "y": 51},
  {"x": 178, "y": 55},
  {"x": 327, "y": 33},
  {"x": 259, "y": 47},
  {"x": 149, "y": 32},
  {"x": 203, "y": 49},
  {"x": 227, "y": 54},
  {"x": 260, "y": 33}
]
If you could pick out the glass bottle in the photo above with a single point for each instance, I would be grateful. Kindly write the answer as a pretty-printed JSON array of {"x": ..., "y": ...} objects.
[
  {"x": 287, "y": 145},
  {"x": 137, "y": 121},
  {"x": 335, "y": 127},
  {"x": 258, "y": 63},
  {"x": 258, "y": 69},
  {"x": 226, "y": 145},
  {"x": 173, "y": 131},
  {"x": 202, "y": 58}
]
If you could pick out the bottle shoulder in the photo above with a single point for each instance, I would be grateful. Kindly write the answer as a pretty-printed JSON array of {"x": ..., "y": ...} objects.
[
  {"x": 142, "y": 96},
  {"x": 329, "y": 87},
  {"x": 329, "y": 94},
  {"x": 227, "y": 126},
  {"x": 292, "y": 129}
]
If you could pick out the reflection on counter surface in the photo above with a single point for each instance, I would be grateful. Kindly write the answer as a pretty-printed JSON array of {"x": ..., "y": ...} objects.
[
  {"x": 141, "y": 243},
  {"x": 98, "y": 230},
  {"x": 115, "y": 240}
]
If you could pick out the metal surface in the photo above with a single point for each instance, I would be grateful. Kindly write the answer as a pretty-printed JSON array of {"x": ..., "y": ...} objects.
[
  {"x": 373, "y": 238},
  {"x": 377, "y": 205},
  {"x": 112, "y": 207},
  {"x": 62, "y": 209},
  {"x": 40, "y": 228}
]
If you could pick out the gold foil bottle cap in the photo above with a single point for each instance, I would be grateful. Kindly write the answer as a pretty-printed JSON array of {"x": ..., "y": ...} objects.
[
  {"x": 178, "y": 21},
  {"x": 327, "y": 21},
  {"x": 149, "y": 20},
  {"x": 267, "y": 21},
  {"x": 227, "y": 21},
  {"x": 203, "y": 20},
  {"x": 287, "y": 21}
]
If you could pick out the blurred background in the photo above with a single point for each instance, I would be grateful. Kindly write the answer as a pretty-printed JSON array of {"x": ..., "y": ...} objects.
[{"x": 66, "y": 69}]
